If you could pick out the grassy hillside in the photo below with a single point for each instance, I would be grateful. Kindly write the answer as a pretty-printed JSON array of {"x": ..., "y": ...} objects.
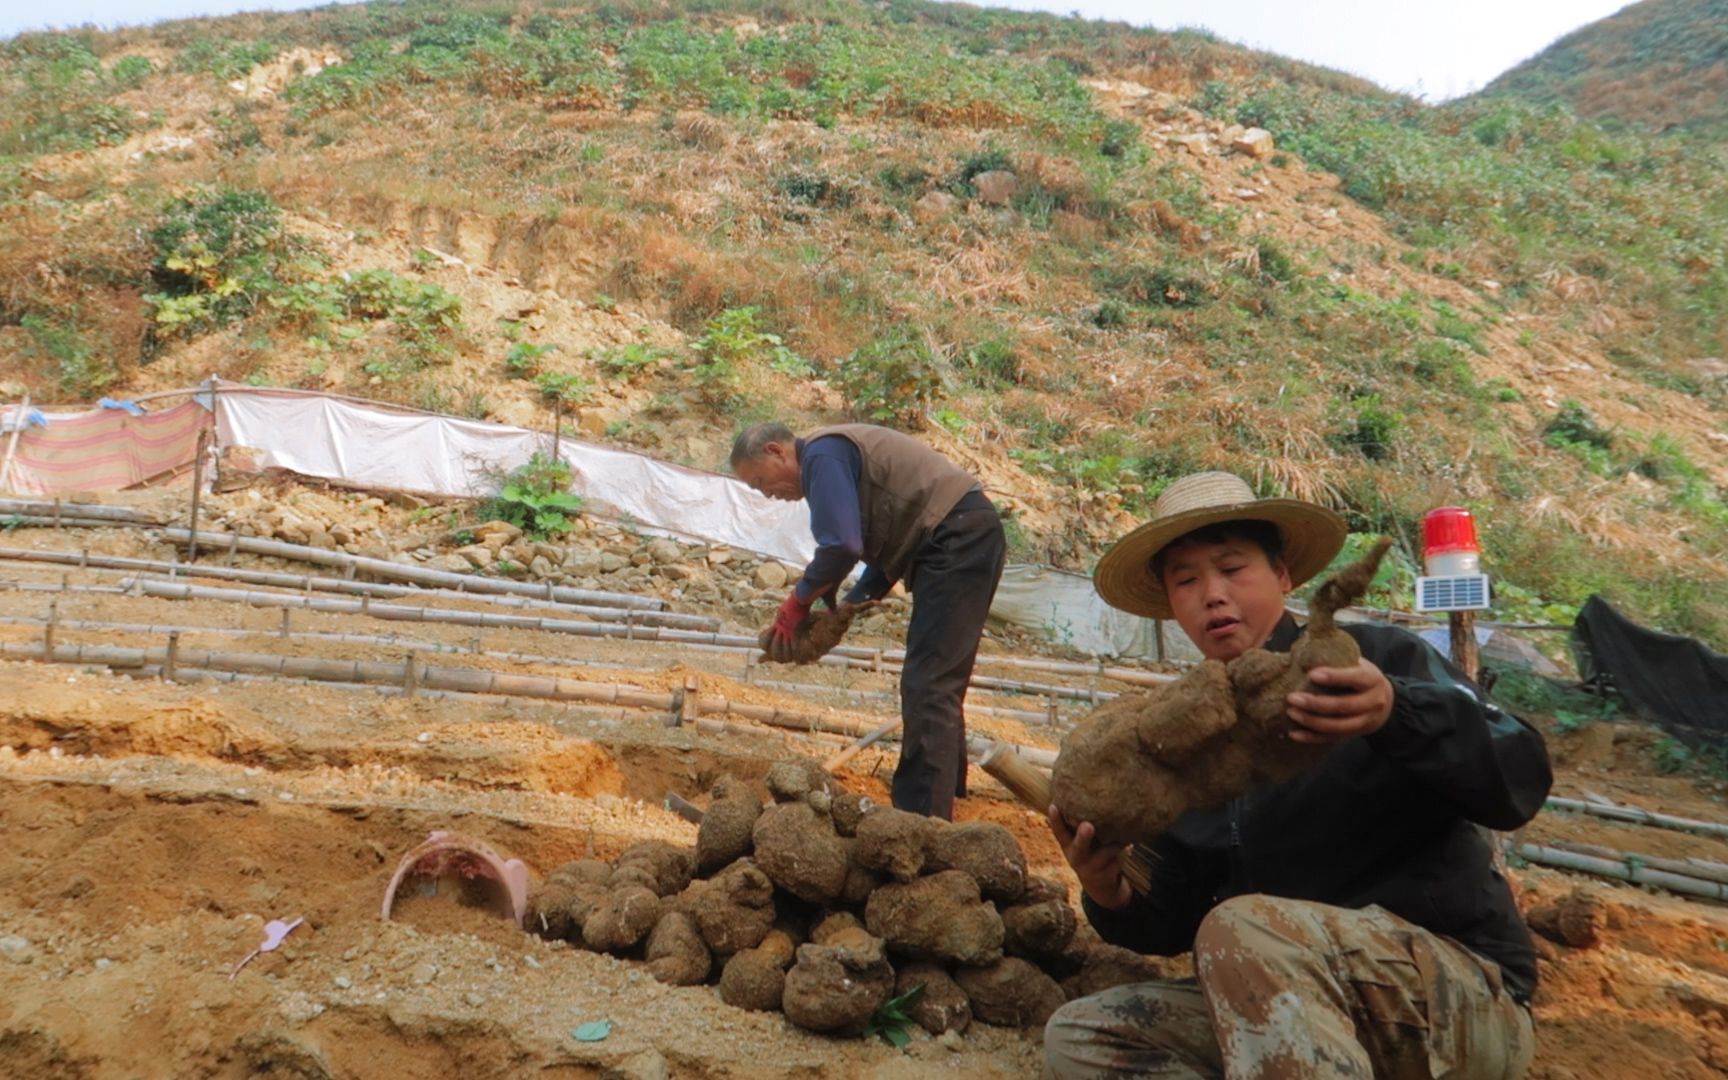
[
  {"x": 1026, "y": 236},
  {"x": 1655, "y": 65}
]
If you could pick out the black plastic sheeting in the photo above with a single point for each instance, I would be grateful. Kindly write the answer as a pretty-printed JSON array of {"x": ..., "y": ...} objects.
[{"x": 1674, "y": 681}]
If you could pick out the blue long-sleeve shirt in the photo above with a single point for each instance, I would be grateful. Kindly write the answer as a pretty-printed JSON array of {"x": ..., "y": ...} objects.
[{"x": 830, "y": 470}]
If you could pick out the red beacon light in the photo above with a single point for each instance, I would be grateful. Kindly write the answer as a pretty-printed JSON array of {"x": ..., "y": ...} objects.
[
  {"x": 1452, "y": 563},
  {"x": 1449, "y": 546}
]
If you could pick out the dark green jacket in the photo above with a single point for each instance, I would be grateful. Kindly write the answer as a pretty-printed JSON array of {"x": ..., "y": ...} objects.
[{"x": 1388, "y": 819}]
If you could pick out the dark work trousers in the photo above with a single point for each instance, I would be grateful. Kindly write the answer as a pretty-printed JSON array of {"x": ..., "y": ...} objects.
[{"x": 954, "y": 577}]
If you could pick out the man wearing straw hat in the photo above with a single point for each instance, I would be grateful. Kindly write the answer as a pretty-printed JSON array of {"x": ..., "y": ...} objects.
[
  {"x": 909, "y": 514},
  {"x": 1348, "y": 923}
]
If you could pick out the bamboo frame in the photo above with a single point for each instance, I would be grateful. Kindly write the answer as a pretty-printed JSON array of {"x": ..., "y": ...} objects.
[
  {"x": 173, "y": 590},
  {"x": 1620, "y": 870},
  {"x": 300, "y": 582},
  {"x": 1639, "y": 816},
  {"x": 425, "y": 575}
]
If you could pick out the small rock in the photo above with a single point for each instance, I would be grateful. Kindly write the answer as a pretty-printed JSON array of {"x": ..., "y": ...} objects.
[
  {"x": 531, "y": 962},
  {"x": 609, "y": 562},
  {"x": 423, "y": 973},
  {"x": 951, "y": 1042},
  {"x": 646, "y": 1065},
  {"x": 473, "y": 999},
  {"x": 16, "y": 949},
  {"x": 996, "y": 187},
  {"x": 343, "y": 982},
  {"x": 103, "y": 963},
  {"x": 934, "y": 205},
  {"x": 540, "y": 567},
  {"x": 1255, "y": 142},
  {"x": 664, "y": 551},
  {"x": 770, "y": 575}
]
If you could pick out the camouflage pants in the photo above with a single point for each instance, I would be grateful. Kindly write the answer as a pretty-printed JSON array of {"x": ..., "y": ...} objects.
[{"x": 1287, "y": 989}]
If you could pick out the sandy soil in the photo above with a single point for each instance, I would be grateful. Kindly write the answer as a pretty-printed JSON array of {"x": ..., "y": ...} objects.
[{"x": 152, "y": 828}]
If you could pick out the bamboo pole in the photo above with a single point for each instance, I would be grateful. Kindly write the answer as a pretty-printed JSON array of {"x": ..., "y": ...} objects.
[
  {"x": 1639, "y": 816},
  {"x": 672, "y": 635},
  {"x": 467, "y": 680},
  {"x": 124, "y": 515},
  {"x": 64, "y": 521},
  {"x": 1698, "y": 868},
  {"x": 384, "y": 568},
  {"x": 308, "y": 583},
  {"x": 1620, "y": 871},
  {"x": 169, "y": 590}
]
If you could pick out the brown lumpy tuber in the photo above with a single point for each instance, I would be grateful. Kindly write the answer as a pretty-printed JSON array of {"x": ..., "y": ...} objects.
[
  {"x": 669, "y": 867},
  {"x": 734, "y": 909},
  {"x": 753, "y": 979},
  {"x": 800, "y": 852},
  {"x": 1578, "y": 920},
  {"x": 940, "y": 917},
  {"x": 894, "y": 842},
  {"x": 723, "y": 837},
  {"x": 837, "y": 988},
  {"x": 1010, "y": 993},
  {"x": 816, "y": 636},
  {"x": 676, "y": 953},
  {"x": 985, "y": 850},
  {"x": 943, "y": 1006},
  {"x": 622, "y": 918},
  {"x": 1143, "y": 760}
]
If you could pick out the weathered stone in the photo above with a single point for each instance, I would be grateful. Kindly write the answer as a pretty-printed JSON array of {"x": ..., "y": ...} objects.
[
  {"x": 770, "y": 575},
  {"x": 664, "y": 551},
  {"x": 1255, "y": 142},
  {"x": 996, "y": 187},
  {"x": 934, "y": 205}
]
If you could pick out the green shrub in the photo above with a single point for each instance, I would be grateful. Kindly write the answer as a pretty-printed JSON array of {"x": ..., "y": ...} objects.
[
  {"x": 218, "y": 255},
  {"x": 893, "y": 379},
  {"x": 1372, "y": 429},
  {"x": 78, "y": 369},
  {"x": 535, "y": 498},
  {"x": 565, "y": 387},
  {"x": 628, "y": 361},
  {"x": 993, "y": 362},
  {"x": 522, "y": 358}
]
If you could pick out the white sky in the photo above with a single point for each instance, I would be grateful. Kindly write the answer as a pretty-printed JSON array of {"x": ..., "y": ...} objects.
[{"x": 1437, "y": 50}]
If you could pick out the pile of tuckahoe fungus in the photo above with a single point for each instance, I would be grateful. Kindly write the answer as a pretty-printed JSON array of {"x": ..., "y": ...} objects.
[{"x": 825, "y": 906}]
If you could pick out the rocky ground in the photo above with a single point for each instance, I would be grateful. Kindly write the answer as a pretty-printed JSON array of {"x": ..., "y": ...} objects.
[{"x": 154, "y": 827}]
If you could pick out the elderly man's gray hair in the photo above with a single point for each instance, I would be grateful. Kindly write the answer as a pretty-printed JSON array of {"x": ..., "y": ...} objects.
[{"x": 749, "y": 443}]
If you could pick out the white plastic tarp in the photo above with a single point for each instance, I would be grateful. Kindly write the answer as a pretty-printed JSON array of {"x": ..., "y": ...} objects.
[
  {"x": 389, "y": 450},
  {"x": 1068, "y": 610},
  {"x": 386, "y": 449}
]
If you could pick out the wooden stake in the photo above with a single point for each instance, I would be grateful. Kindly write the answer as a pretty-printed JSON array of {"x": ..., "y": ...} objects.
[
  {"x": 867, "y": 740},
  {"x": 410, "y": 675},
  {"x": 171, "y": 661},
  {"x": 286, "y": 613},
  {"x": 1462, "y": 629},
  {"x": 49, "y": 629},
  {"x": 18, "y": 420},
  {"x": 197, "y": 493}
]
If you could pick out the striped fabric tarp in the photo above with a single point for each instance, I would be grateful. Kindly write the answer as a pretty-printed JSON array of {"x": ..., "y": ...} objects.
[{"x": 104, "y": 450}]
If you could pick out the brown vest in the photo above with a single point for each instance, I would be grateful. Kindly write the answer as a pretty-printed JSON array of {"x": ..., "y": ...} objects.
[{"x": 904, "y": 489}]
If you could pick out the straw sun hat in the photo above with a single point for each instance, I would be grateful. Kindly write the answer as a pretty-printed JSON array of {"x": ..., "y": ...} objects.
[{"x": 1313, "y": 536}]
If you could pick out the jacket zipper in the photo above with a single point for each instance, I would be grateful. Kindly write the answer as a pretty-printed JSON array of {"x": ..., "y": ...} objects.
[{"x": 1239, "y": 854}]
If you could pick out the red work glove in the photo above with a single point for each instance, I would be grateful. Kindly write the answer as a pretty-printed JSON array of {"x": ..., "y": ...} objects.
[{"x": 787, "y": 620}]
